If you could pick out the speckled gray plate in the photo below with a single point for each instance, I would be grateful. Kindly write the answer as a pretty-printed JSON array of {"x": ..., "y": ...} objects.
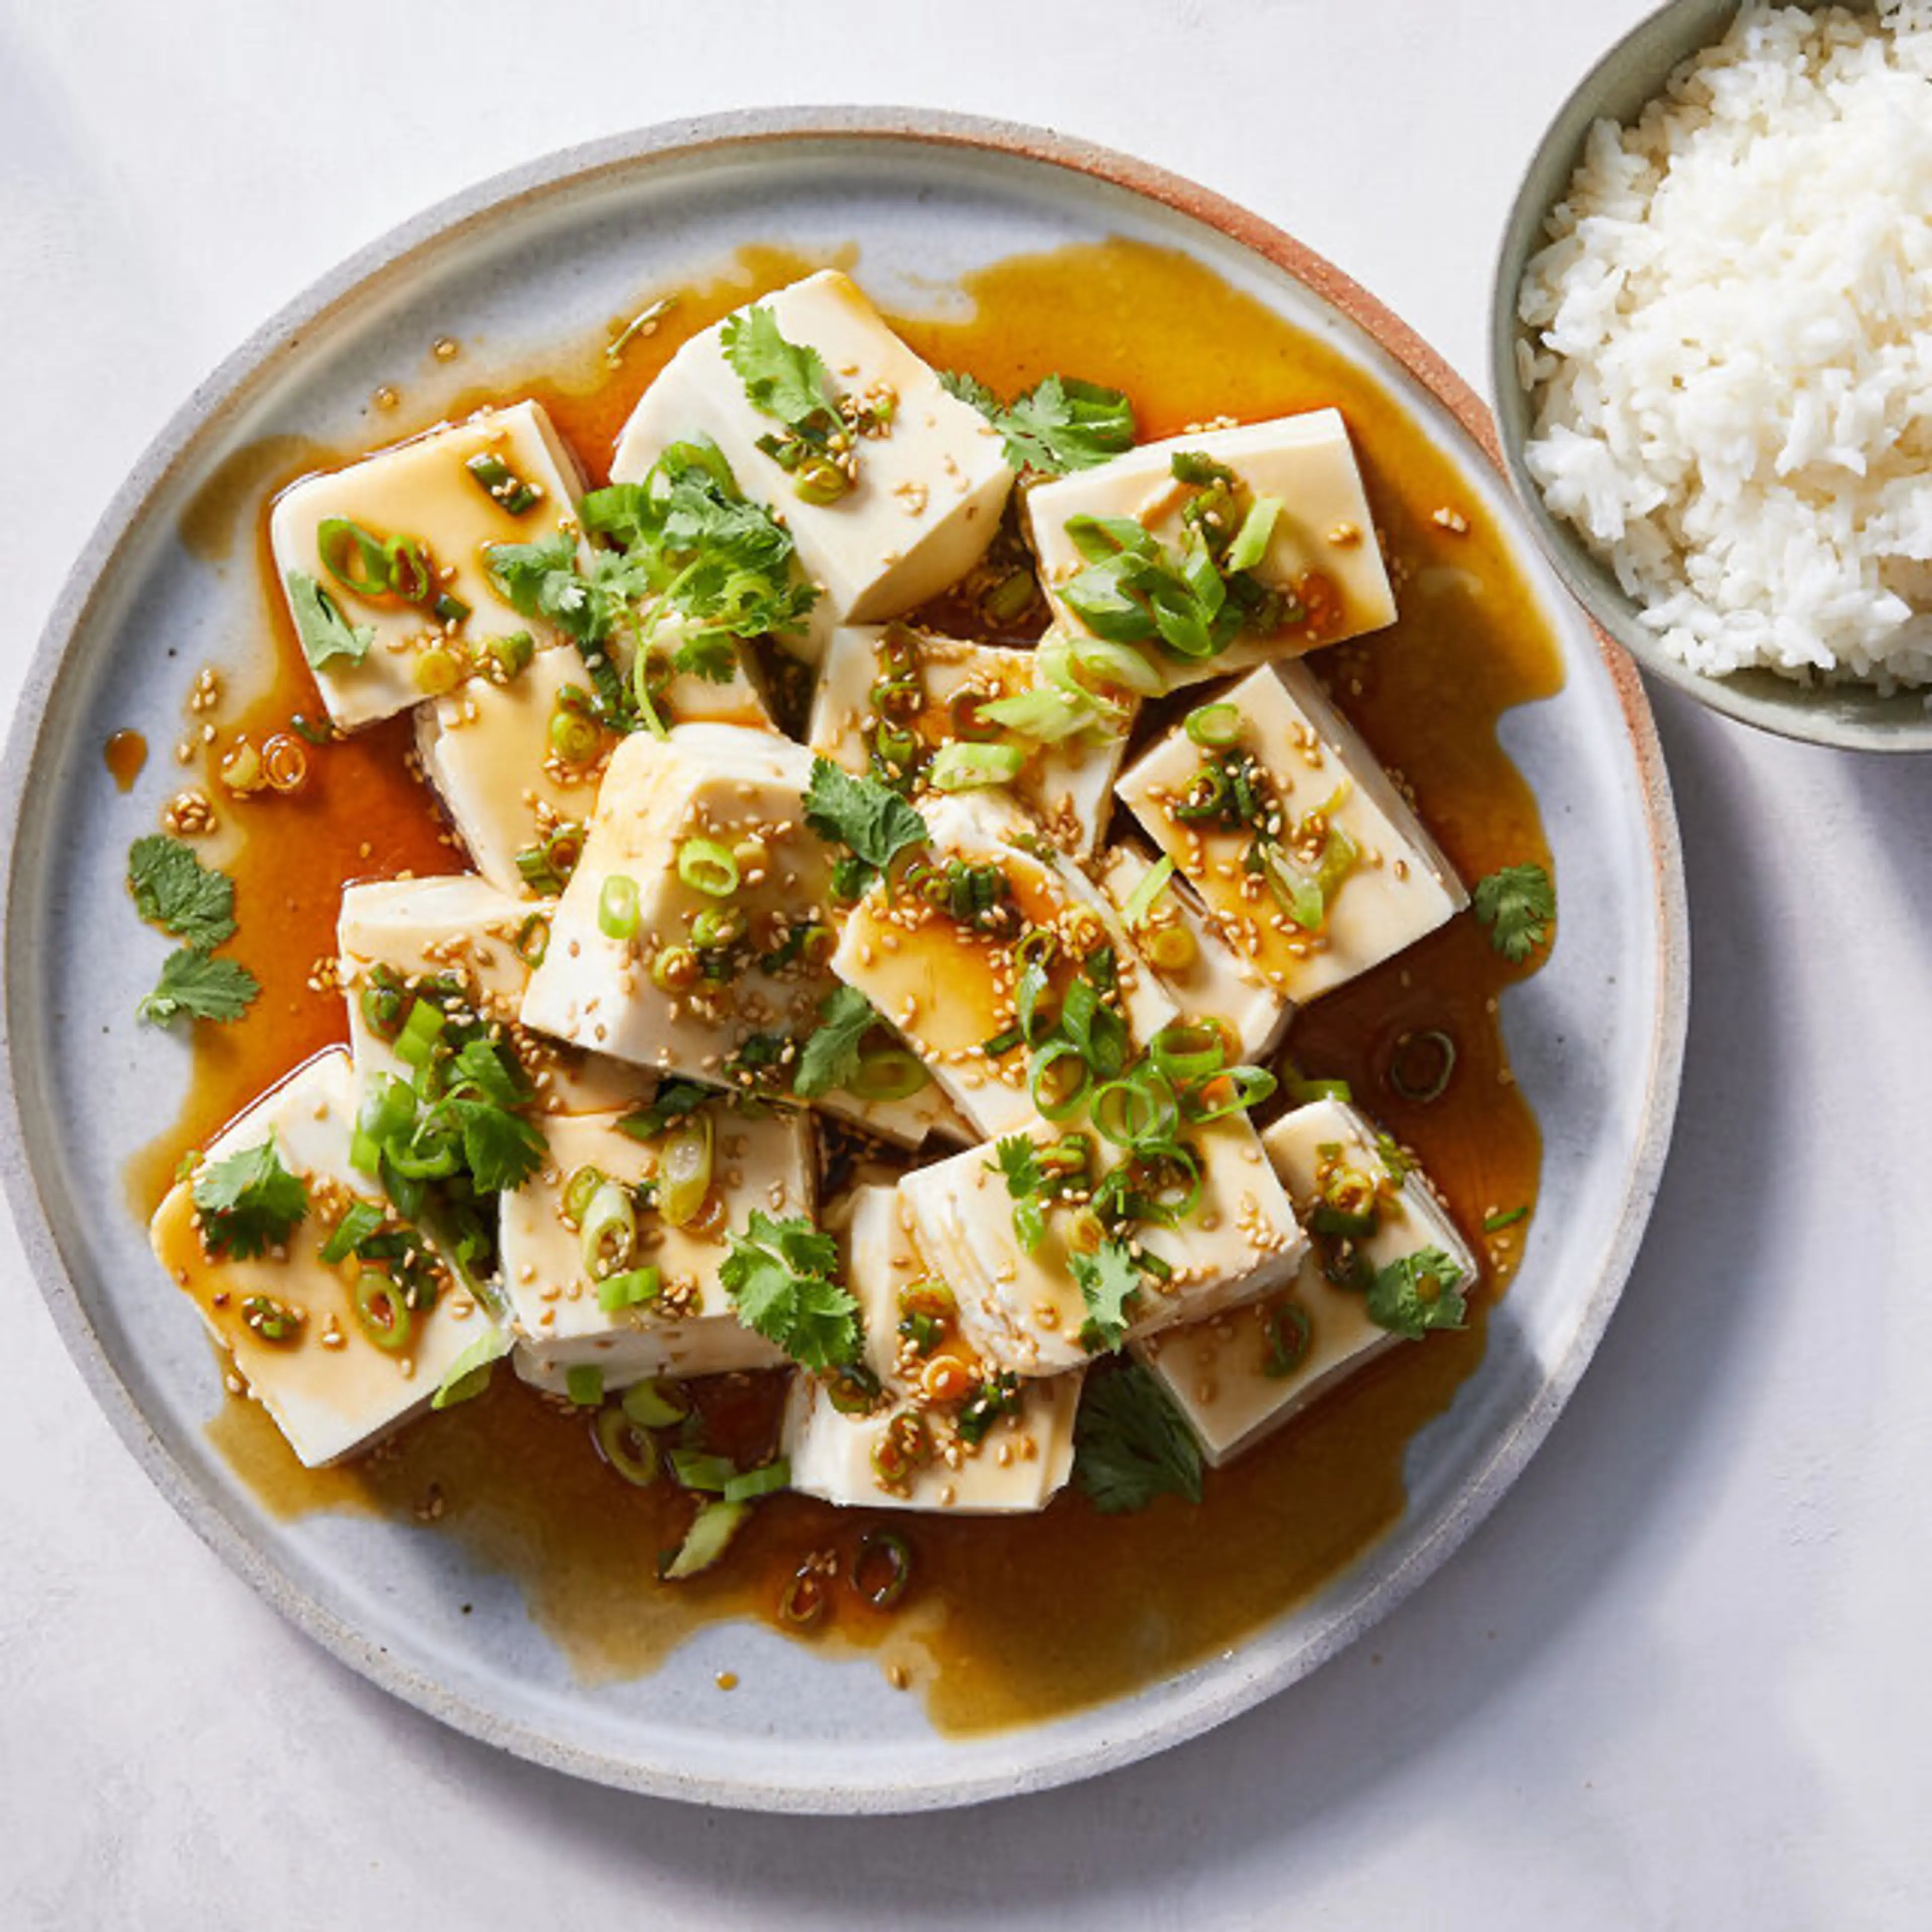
[{"x": 548, "y": 254}]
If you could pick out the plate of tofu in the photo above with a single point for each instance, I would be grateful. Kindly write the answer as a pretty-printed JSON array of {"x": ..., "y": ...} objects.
[{"x": 812, "y": 940}]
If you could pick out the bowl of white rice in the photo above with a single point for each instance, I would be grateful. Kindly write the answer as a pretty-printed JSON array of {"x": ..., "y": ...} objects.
[{"x": 1712, "y": 359}]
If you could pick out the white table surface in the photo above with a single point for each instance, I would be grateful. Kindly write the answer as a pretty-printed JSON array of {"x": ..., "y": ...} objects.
[{"x": 1677, "y": 1679}]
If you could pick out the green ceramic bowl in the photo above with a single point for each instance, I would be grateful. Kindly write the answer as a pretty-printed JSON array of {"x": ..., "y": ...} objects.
[{"x": 1852, "y": 716}]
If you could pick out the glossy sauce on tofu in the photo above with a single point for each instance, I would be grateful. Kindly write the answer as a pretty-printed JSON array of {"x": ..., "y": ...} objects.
[{"x": 1020, "y": 1619}]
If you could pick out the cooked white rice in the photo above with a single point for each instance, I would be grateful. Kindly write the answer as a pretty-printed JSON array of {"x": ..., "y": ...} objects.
[{"x": 1733, "y": 362}]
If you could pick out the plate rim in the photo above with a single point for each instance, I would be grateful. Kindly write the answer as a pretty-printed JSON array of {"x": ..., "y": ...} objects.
[{"x": 279, "y": 337}]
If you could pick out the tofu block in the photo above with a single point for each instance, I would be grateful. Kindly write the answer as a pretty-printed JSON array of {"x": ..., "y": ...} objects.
[
  {"x": 1025, "y": 1312},
  {"x": 487, "y": 749},
  {"x": 1207, "y": 979},
  {"x": 330, "y": 1389},
  {"x": 461, "y": 928},
  {"x": 422, "y": 489},
  {"x": 1022, "y": 1457},
  {"x": 1399, "y": 888},
  {"x": 759, "y": 1161},
  {"x": 1016, "y": 1468},
  {"x": 1322, "y": 546},
  {"x": 743, "y": 791},
  {"x": 1068, "y": 787},
  {"x": 1217, "y": 1371},
  {"x": 929, "y": 486},
  {"x": 948, "y": 987}
]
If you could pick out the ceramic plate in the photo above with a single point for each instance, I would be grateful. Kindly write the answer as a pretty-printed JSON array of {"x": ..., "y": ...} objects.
[{"x": 548, "y": 255}]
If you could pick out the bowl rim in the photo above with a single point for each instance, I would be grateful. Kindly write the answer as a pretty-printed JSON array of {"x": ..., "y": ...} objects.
[
  {"x": 279, "y": 337},
  {"x": 1766, "y": 700}
]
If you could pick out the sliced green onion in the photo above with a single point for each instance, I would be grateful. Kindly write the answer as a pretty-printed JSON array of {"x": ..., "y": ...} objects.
[
  {"x": 383, "y": 1003},
  {"x": 1140, "y": 901},
  {"x": 1494, "y": 1224},
  {"x": 960, "y": 767},
  {"x": 436, "y": 672},
  {"x": 674, "y": 969},
  {"x": 697, "y": 1469},
  {"x": 469, "y": 1375},
  {"x": 1189, "y": 1051},
  {"x": 502, "y": 485},
  {"x": 1349, "y": 1223},
  {"x": 361, "y": 1219},
  {"x": 655, "y": 1404},
  {"x": 882, "y": 1570},
  {"x": 357, "y": 559},
  {"x": 1057, "y": 1079},
  {"x": 1217, "y": 726},
  {"x": 1289, "y": 1335},
  {"x": 717, "y": 927},
  {"x": 707, "y": 1539},
  {"x": 610, "y": 1230},
  {"x": 1010, "y": 599},
  {"x": 1114, "y": 664},
  {"x": 764, "y": 1481},
  {"x": 580, "y": 1190},
  {"x": 852, "y": 1389},
  {"x": 628, "y": 1450},
  {"x": 632, "y": 1288},
  {"x": 1045, "y": 714},
  {"x": 574, "y": 736},
  {"x": 411, "y": 578},
  {"x": 420, "y": 1031},
  {"x": 1251, "y": 540},
  {"x": 1192, "y": 1184},
  {"x": 510, "y": 657},
  {"x": 804, "y": 1600},
  {"x": 820, "y": 481},
  {"x": 617, "y": 907},
  {"x": 383, "y": 1312},
  {"x": 584, "y": 1384},
  {"x": 1304, "y": 1092},
  {"x": 1135, "y": 1110},
  {"x": 532, "y": 940},
  {"x": 707, "y": 866},
  {"x": 317, "y": 732},
  {"x": 685, "y": 1170},
  {"x": 1420, "y": 1068},
  {"x": 889, "y": 1073},
  {"x": 1251, "y": 1086}
]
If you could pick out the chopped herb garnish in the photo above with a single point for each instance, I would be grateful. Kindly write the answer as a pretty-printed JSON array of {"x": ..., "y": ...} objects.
[
  {"x": 174, "y": 890},
  {"x": 469, "y": 1375},
  {"x": 817, "y": 442},
  {"x": 1417, "y": 1293},
  {"x": 249, "y": 1203},
  {"x": 325, "y": 633},
  {"x": 783, "y": 1277},
  {"x": 1109, "y": 1280},
  {"x": 831, "y": 1056},
  {"x": 1060, "y": 424},
  {"x": 868, "y": 817},
  {"x": 1494, "y": 1224},
  {"x": 1518, "y": 905},
  {"x": 202, "y": 988},
  {"x": 1016, "y": 1161},
  {"x": 1130, "y": 1443}
]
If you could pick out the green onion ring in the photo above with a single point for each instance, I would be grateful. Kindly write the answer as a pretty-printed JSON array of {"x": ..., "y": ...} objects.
[
  {"x": 1055, "y": 1053},
  {"x": 1417, "y": 1084},
  {"x": 889, "y": 1073},
  {"x": 1252, "y": 1086},
  {"x": 617, "y": 907},
  {"x": 1217, "y": 726},
  {"x": 381, "y": 1312},
  {"x": 708, "y": 867},
  {"x": 532, "y": 940},
  {"x": 335, "y": 539},
  {"x": 804, "y": 1600},
  {"x": 1290, "y": 1335},
  {"x": 626, "y": 1447},
  {"x": 882, "y": 1569}
]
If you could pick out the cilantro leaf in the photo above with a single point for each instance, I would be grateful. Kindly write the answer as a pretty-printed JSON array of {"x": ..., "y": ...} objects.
[
  {"x": 249, "y": 1202},
  {"x": 831, "y": 1057},
  {"x": 1418, "y": 1293},
  {"x": 501, "y": 1150},
  {"x": 174, "y": 890},
  {"x": 541, "y": 580},
  {"x": 1518, "y": 905},
  {"x": 867, "y": 817},
  {"x": 325, "y": 633},
  {"x": 782, "y": 1277},
  {"x": 1130, "y": 1443},
  {"x": 202, "y": 988},
  {"x": 1109, "y": 1278},
  {"x": 1015, "y": 1159},
  {"x": 784, "y": 380},
  {"x": 1060, "y": 424}
]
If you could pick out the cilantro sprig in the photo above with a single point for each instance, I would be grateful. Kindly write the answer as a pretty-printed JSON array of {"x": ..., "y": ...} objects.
[
  {"x": 174, "y": 890},
  {"x": 1419, "y": 1292},
  {"x": 865, "y": 816},
  {"x": 783, "y": 1277},
  {"x": 195, "y": 986},
  {"x": 817, "y": 440},
  {"x": 1518, "y": 905},
  {"x": 249, "y": 1202},
  {"x": 831, "y": 1057},
  {"x": 325, "y": 633},
  {"x": 1130, "y": 1444},
  {"x": 1060, "y": 424},
  {"x": 1109, "y": 1280}
]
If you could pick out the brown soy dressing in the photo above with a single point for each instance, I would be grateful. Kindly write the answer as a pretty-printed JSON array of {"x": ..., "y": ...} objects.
[{"x": 1007, "y": 1621}]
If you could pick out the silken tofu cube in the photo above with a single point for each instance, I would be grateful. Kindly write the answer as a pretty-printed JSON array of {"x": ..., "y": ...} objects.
[
  {"x": 910, "y": 1451},
  {"x": 1025, "y": 1312},
  {"x": 689, "y": 1327},
  {"x": 426, "y": 489},
  {"x": 1322, "y": 546},
  {"x": 1379, "y": 881},
  {"x": 645, "y": 998},
  {"x": 488, "y": 749},
  {"x": 930, "y": 478},
  {"x": 949, "y": 984},
  {"x": 1241, "y": 1374},
  {"x": 1067, "y": 786},
  {"x": 289, "y": 1318},
  {"x": 1016, "y": 1468},
  {"x": 1206, "y": 977},
  {"x": 459, "y": 935}
]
